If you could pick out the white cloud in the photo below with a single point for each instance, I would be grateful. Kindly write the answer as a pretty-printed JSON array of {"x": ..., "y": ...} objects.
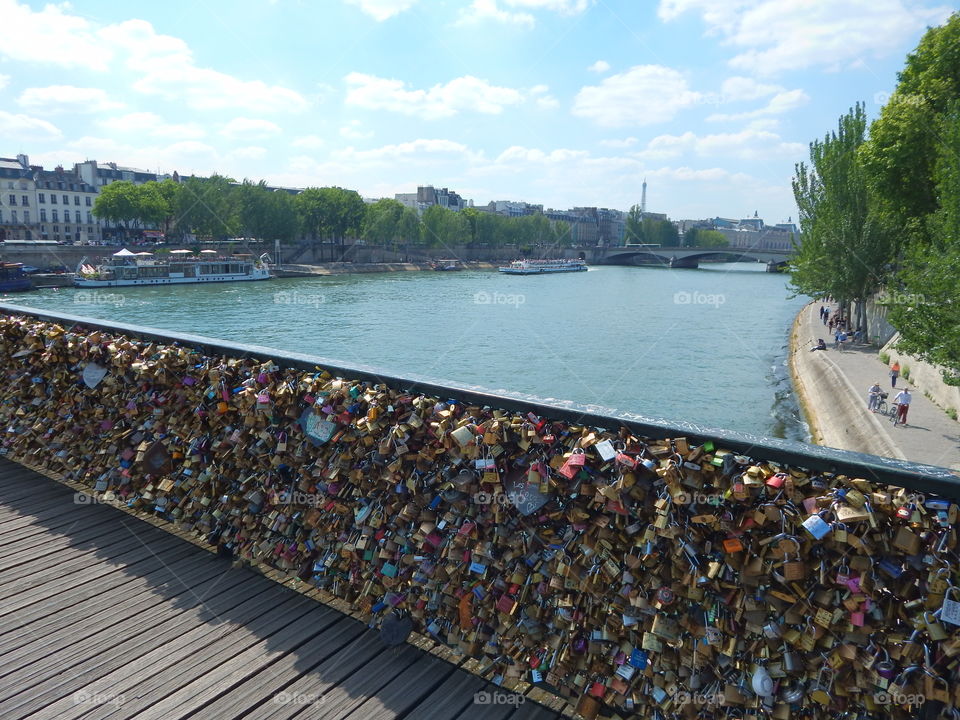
[
  {"x": 617, "y": 143},
  {"x": 778, "y": 35},
  {"x": 152, "y": 124},
  {"x": 748, "y": 144},
  {"x": 548, "y": 102},
  {"x": 381, "y": 10},
  {"x": 743, "y": 88},
  {"x": 4, "y": 81},
  {"x": 780, "y": 103},
  {"x": 480, "y": 10},
  {"x": 164, "y": 64},
  {"x": 519, "y": 154},
  {"x": 66, "y": 98},
  {"x": 643, "y": 95},
  {"x": 443, "y": 100},
  {"x": 243, "y": 127},
  {"x": 308, "y": 142},
  {"x": 51, "y": 36},
  {"x": 419, "y": 149},
  {"x": 251, "y": 152},
  {"x": 22, "y": 127},
  {"x": 564, "y": 7},
  {"x": 600, "y": 66},
  {"x": 352, "y": 131}
]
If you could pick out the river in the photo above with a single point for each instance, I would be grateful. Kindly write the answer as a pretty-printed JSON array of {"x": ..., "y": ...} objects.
[{"x": 706, "y": 346}]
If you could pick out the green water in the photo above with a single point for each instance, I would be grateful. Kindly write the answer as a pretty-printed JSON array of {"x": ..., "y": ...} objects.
[{"x": 705, "y": 346}]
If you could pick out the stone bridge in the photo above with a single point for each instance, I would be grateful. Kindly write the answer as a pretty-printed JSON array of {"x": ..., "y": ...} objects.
[{"x": 687, "y": 257}]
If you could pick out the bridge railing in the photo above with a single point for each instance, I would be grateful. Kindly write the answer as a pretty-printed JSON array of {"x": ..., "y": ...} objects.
[{"x": 641, "y": 563}]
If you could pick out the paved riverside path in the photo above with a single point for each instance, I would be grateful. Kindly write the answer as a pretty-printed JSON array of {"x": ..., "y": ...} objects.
[
  {"x": 104, "y": 615},
  {"x": 833, "y": 385}
]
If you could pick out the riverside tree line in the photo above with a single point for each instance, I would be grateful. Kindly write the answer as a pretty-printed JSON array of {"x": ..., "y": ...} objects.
[
  {"x": 880, "y": 206},
  {"x": 218, "y": 207}
]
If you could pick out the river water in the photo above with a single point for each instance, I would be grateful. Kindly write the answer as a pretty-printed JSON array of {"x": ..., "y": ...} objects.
[{"x": 707, "y": 346}]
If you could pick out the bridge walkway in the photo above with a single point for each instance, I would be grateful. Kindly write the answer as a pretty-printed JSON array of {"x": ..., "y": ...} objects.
[{"x": 104, "y": 615}]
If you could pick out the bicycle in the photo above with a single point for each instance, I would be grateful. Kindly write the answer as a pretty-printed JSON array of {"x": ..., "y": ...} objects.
[
  {"x": 881, "y": 406},
  {"x": 895, "y": 414}
]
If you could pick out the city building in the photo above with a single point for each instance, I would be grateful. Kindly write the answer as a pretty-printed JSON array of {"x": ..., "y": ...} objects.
[
  {"x": 427, "y": 196},
  {"x": 18, "y": 200},
  {"x": 65, "y": 207}
]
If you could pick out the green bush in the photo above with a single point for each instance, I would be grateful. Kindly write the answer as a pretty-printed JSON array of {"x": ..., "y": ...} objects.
[
  {"x": 885, "y": 358},
  {"x": 952, "y": 412},
  {"x": 906, "y": 372}
]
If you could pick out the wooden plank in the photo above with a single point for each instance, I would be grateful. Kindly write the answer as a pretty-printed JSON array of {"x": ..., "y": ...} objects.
[
  {"x": 184, "y": 632},
  {"x": 23, "y": 560},
  {"x": 308, "y": 690},
  {"x": 173, "y": 694},
  {"x": 87, "y": 579},
  {"x": 268, "y": 683},
  {"x": 57, "y": 629},
  {"x": 448, "y": 699},
  {"x": 489, "y": 703},
  {"x": 410, "y": 687},
  {"x": 40, "y": 664}
]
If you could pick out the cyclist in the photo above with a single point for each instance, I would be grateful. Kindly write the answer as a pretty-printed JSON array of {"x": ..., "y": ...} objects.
[{"x": 873, "y": 397}]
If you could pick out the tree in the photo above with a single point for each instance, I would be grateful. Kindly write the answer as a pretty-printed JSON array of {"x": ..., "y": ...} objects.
[
  {"x": 381, "y": 224},
  {"x": 704, "y": 238},
  {"x": 330, "y": 213},
  {"x": 902, "y": 152},
  {"x": 443, "y": 227},
  {"x": 846, "y": 245},
  {"x": 118, "y": 202},
  {"x": 634, "y": 226},
  {"x": 208, "y": 206},
  {"x": 925, "y": 306}
]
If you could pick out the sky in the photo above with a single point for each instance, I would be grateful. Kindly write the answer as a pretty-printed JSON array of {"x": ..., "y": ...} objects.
[{"x": 556, "y": 102}]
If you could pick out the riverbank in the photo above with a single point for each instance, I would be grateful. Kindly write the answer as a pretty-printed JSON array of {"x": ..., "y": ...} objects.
[
  {"x": 348, "y": 268},
  {"x": 831, "y": 387}
]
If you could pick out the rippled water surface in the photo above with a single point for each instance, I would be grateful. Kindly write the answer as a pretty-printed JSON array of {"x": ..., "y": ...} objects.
[{"x": 707, "y": 346}]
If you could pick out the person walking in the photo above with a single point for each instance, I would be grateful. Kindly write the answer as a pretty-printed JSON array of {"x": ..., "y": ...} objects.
[
  {"x": 894, "y": 373},
  {"x": 826, "y": 315},
  {"x": 873, "y": 397},
  {"x": 902, "y": 400}
]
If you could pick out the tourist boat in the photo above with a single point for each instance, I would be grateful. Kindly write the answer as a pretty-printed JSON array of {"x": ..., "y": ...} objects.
[
  {"x": 446, "y": 265},
  {"x": 13, "y": 279},
  {"x": 536, "y": 267},
  {"x": 127, "y": 268}
]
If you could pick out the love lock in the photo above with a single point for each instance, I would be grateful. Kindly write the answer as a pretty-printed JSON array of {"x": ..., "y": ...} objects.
[{"x": 820, "y": 689}]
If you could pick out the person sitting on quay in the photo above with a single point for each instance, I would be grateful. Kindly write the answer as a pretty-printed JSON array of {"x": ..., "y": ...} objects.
[
  {"x": 874, "y": 395},
  {"x": 821, "y": 345}
]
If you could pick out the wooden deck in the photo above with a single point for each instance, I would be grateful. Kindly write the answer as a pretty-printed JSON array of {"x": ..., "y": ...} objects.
[{"x": 103, "y": 615}]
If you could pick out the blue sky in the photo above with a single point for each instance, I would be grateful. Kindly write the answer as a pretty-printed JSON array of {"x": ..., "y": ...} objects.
[{"x": 559, "y": 102}]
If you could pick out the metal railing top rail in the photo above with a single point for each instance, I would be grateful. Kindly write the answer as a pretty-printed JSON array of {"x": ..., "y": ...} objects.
[{"x": 914, "y": 476}]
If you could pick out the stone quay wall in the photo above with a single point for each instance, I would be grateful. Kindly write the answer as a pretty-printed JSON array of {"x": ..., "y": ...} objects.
[{"x": 625, "y": 564}]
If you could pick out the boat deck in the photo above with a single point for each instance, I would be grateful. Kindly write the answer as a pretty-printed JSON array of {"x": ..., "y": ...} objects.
[{"x": 104, "y": 615}]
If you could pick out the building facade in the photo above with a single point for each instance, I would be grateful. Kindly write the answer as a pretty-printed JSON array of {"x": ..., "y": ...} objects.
[{"x": 19, "y": 219}]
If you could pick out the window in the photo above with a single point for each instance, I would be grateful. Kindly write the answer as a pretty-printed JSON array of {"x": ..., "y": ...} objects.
[
  {"x": 90, "y": 230},
  {"x": 13, "y": 214},
  {"x": 26, "y": 216},
  {"x": 89, "y": 217},
  {"x": 1, "y": 217},
  {"x": 23, "y": 185},
  {"x": 53, "y": 199},
  {"x": 89, "y": 203},
  {"x": 60, "y": 185},
  {"x": 72, "y": 186},
  {"x": 43, "y": 214},
  {"x": 13, "y": 199},
  {"x": 42, "y": 197},
  {"x": 66, "y": 198},
  {"x": 56, "y": 229},
  {"x": 55, "y": 218},
  {"x": 76, "y": 216},
  {"x": 76, "y": 199},
  {"x": 24, "y": 200}
]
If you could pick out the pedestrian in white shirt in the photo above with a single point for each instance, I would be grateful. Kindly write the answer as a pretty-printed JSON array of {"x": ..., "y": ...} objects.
[{"x": 902, "y": 400}]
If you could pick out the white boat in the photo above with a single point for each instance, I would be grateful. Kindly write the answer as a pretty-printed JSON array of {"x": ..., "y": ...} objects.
[
  {"x": 536, "y": 267},
  {"x": 127, "y": 268}
]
